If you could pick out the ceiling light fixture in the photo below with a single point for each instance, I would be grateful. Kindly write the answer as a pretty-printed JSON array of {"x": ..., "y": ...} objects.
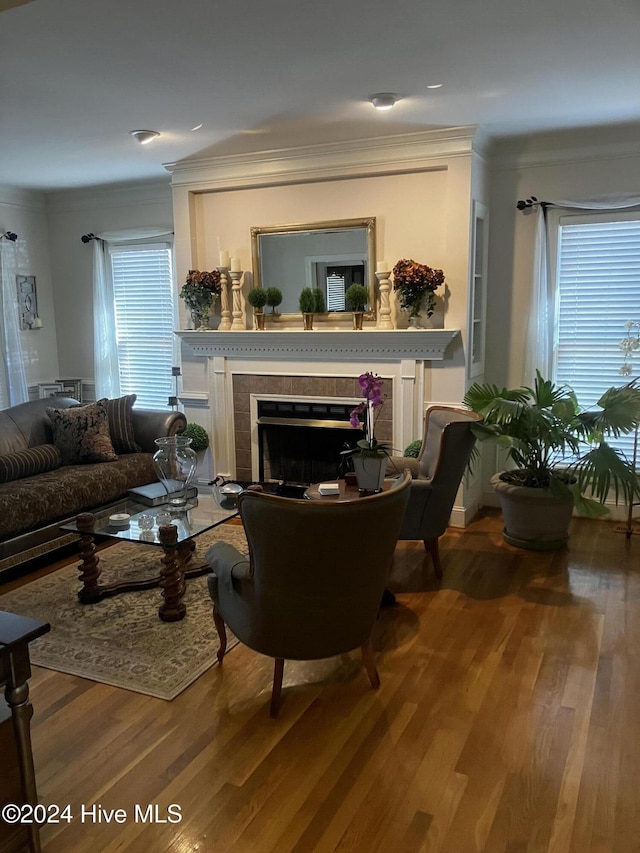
[
  {"x": 198, "y": 126},
  {"x": 144, "y": 136},
  {"x": 384, "y": 100},
  {"x": 435, "y": 86}
]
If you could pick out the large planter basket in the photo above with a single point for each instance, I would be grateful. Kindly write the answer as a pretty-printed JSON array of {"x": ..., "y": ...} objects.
[{"x": 533, "y": 518}]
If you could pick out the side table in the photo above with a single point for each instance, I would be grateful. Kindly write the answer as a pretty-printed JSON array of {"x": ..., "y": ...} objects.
[{"x": 18, "y": 781}]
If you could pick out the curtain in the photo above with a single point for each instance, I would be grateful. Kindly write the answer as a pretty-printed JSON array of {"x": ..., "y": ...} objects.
[
  {"x": 13, "y": 380},
  {"x": 540, "y": 336},
  {"x": 105, "y": 343}
]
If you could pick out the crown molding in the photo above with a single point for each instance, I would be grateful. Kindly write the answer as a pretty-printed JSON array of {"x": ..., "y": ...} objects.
[
  {"x": 110, "y": 195},
  {"x": 565, "y": 147},
  {"x": 17, "y": 197},
  {"x": 409, "y": 152}
]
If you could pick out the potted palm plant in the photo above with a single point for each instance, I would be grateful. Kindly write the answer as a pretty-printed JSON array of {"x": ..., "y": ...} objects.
[{"x": 559, "y": 452}]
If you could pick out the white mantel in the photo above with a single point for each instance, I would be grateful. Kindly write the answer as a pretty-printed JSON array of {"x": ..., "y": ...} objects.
[
  {"x": 323, "y": 345},
  {"x": 397, "y": 355}
]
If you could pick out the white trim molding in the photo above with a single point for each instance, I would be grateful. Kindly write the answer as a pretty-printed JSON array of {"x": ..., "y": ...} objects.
[{"x": 320, "y": 345}]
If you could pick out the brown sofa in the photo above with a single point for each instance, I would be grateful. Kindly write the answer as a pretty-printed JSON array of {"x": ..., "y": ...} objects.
[{"x": 38, "y": 491}]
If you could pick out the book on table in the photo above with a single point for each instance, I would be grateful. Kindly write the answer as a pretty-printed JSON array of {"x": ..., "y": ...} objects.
[{"x": 155, "y": 494}]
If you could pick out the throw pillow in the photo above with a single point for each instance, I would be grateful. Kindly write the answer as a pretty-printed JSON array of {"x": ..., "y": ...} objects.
[
  {"x": 27, "y": 463},
  {"x": 120, "y": 414},
  {"x": 81, "y": 433}
]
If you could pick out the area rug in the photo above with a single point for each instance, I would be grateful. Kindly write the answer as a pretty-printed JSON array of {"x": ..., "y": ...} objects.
[{"x": 121, "y": 641}]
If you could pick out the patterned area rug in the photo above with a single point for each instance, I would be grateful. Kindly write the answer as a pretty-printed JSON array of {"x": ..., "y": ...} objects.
[{"x": 121, "y": 641}]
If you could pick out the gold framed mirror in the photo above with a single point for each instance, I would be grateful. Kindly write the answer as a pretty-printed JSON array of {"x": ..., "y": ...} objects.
[{"x": 328, "y": 255}]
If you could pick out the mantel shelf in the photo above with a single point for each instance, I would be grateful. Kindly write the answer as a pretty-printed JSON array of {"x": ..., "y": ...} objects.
[{"x": 322, "y": 344}]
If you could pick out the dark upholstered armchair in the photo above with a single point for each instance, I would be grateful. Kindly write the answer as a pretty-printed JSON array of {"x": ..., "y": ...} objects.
[
  {"x": 313, "y": 581},
  {"x": 447, "y": 444}
]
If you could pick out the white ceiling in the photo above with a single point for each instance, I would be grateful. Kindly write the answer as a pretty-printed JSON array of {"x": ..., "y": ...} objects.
[{"x": 78, "y": 75}]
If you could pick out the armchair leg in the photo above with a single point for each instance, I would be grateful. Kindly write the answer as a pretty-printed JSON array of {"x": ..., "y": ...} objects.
[
  {"x": 431, "y": 545},
  {"x": 278, "y": 670},
  {"x": 369, "y": 664},
  {"x": 221, "y": 628}
]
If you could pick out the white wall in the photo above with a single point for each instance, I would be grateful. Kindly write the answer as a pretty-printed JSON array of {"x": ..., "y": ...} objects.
[
  {"x": 72, "y": 214},
  {"x": 552, "y": 166},
  {"x": 24, "y": 213}
]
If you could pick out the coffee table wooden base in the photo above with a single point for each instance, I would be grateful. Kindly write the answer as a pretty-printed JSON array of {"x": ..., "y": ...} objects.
[{"x": 172, "y": 578}]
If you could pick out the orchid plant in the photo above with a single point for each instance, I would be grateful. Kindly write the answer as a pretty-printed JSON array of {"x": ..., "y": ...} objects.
[
  {"x": 371, "y": 386},
  {"x": 630, "y": 345}
]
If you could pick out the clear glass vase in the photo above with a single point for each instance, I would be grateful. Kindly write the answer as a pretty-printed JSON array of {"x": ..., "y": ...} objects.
[{"x": 175, "y": 464}]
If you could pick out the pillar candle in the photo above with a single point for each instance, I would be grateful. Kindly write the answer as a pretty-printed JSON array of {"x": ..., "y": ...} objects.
[
  {"x": 381, "y": 266},
  {"x": 224, "y": 259},
  {"x": 235, "y": 265}
]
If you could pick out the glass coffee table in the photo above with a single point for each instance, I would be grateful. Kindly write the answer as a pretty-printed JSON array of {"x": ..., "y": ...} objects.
[{"x": 172, "y": 531}]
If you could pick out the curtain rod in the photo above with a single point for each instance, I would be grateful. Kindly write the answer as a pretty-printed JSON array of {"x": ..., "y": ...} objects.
[
  {"x": 528, "y": 203},
  {"x": 9, "y": 235},
  {"x": 87, "y": 238}
]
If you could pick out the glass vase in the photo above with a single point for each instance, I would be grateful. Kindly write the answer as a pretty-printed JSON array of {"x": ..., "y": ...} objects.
[
  {"x": 200, "y": 318},
  {"x": 175, "y": 464}
]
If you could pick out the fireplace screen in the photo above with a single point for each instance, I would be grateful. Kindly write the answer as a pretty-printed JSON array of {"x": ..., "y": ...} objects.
[{"x": 300, "y": 442}]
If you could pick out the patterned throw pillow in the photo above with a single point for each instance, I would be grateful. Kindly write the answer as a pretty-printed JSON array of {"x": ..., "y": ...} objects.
[
  {"x": 27, "y": 463},
  {"x": 120, "y": 414},
  {"x": 81, "y": 433}
]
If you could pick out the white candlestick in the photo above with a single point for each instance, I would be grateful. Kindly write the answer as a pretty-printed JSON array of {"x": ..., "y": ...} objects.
[
  {"x": 224, "y": 259},
  {"x": 235, "y": 265},
  {"x": 381, "y": 266}
]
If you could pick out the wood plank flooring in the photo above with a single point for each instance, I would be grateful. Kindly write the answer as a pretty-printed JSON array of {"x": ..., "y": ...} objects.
[{"x": 508, "y": 719}]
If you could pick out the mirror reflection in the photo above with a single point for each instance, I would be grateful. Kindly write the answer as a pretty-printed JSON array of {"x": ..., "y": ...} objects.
[{"x": 329, "y": 256}]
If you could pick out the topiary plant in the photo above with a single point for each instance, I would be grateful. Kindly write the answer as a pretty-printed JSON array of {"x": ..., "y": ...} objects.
[
  {"x": 356, "y": 297},
  {"x": 198, "y": 435},
  {"x": 274, "y": 298},
  {"x": 307, "y": 301},
  {"x": 257, "y": 298},
  {"x": 319, "y": 305},
  {"x": 412, "y": 450}
]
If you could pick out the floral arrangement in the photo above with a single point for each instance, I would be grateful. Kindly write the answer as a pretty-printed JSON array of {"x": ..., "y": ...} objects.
[
  {"x": 371, "y": 386},
  {"x": 629, "y": 345},
  {"x": 415, "y": 283},
  {"x": 200, "y": 289}
]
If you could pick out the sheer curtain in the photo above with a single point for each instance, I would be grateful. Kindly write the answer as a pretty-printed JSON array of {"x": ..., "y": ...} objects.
[
  {"x": 105, "y": 343},
  {"x": 13, "y": 380},
  {"x": 540, "y": 337}
]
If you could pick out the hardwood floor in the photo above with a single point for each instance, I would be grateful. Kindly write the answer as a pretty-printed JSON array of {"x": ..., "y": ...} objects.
[{"x": 508, "y": 719}]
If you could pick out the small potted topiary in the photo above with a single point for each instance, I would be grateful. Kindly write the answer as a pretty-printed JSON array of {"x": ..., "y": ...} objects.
[
  {"x": 319, "y": 305},
  {"x": 257, "y": 298},
  {"x": 198, "y": 435},
  {"x": 356, "y": 298},
  {"x": 307, "y": 304},
  {"x": 274, "y": 298}
]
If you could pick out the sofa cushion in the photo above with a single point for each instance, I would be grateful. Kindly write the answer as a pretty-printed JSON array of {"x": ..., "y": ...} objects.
[
  {"x": 120, "y": 415},
  {"x": 82, "y": 434},
  {"x": 26, "y": 463}
]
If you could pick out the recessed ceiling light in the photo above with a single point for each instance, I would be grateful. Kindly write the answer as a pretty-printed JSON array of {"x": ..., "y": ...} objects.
[
  {"x": 384, "y": 100},
  {"x": 198, "y": 126},
  {"x": 144, "y": 136},
  {"x": 435, "y": 86}
]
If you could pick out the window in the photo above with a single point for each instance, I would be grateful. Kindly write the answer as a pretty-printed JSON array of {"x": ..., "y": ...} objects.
[
  {"x": 145, "y": 319},
  {"x": 598, "y": 291}
]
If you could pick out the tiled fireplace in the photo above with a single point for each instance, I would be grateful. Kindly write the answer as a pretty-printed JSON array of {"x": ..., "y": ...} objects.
[{"x": 245, "y": 367}]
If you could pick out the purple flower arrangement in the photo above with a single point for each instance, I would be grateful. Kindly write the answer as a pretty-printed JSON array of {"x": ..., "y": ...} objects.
[{"x": 371, "y": 386}]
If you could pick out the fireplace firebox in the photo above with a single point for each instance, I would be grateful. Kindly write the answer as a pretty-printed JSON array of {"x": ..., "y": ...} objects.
[{"x": 300, "y": 442}]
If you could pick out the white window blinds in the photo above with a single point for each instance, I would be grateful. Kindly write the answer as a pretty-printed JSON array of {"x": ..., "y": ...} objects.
[
  {"x": 598, "y": 291},
  {"x": 145, "y": 320}
]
